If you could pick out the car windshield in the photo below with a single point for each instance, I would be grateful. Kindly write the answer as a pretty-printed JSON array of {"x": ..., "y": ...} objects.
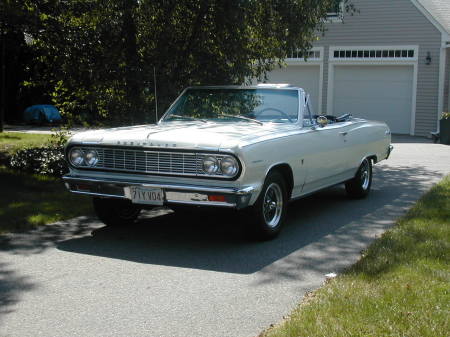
[{"x": 244, "y": 105}]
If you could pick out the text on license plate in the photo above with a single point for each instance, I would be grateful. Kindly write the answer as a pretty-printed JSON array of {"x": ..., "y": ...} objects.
[{"x": 144, "y": 195}]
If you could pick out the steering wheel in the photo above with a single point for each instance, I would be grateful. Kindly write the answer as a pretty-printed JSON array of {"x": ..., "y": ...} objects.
[{"x": 281, "y": 112}]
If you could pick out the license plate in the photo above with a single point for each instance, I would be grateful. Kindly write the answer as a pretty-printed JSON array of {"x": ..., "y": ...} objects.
[{"x": 144, "y": 195}]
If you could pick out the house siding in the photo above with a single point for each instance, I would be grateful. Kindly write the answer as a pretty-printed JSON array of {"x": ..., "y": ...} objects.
[{"x": 385, "y": 23}]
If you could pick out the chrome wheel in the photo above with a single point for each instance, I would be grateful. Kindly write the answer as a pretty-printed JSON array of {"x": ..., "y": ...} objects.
[
  {"x": 273, "y": 205},
  {"x": 365, "y": 175},
  {"x": 268, "y": 214},
  {"x": 359, "y": 186}
]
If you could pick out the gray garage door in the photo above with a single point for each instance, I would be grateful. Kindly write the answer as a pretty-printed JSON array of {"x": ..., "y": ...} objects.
[{"x": 375, "y": 92}]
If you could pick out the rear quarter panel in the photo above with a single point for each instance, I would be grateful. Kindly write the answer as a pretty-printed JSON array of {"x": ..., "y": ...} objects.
[{"x": 368, "y": 139}]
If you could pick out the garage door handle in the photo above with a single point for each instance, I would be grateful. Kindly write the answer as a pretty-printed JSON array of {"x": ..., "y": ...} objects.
[{"x": 343, "y": 133}]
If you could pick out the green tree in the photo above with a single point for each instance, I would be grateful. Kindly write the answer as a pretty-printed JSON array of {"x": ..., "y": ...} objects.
[
  {"x": 16, "y": 19},
  {"x": 99, "y": 56}
]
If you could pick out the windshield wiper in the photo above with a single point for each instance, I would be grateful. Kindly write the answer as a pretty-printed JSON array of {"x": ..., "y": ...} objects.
[
  {"x": 242, "y": 117},
  {"x": 188, "y": 118}
]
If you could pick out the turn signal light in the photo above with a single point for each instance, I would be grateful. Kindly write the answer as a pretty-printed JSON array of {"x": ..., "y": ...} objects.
[{"x": 216, "y": 198}]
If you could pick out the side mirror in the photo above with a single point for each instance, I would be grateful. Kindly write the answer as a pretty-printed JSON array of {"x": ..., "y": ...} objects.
[{"x": 322, "y": 121}]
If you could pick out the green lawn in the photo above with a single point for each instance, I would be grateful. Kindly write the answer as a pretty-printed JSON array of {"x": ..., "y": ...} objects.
[
  {"x": 12, "y": 141},
  {"x": 27, "y": 201},
  {"x": 400, "y": 287}
]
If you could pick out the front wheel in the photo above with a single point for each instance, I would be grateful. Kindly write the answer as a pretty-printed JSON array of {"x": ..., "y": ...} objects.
[
  {"x": 269, "y": 211},
  {"x": 116, "y": 212},
  {"x": 359, "y": 186}
]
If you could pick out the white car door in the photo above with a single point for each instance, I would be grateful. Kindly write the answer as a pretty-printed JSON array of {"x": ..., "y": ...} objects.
[{"x": 326, "y": 155}]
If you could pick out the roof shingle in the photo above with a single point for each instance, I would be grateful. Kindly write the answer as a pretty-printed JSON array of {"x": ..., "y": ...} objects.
[{"x": 440, "y": 10}]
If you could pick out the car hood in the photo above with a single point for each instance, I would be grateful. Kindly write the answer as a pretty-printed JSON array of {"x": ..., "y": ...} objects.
[{"x": 192, "y": 135}]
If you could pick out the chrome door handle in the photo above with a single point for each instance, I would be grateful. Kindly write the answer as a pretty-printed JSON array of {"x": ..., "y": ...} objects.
[{"x": 343, "y": 133}]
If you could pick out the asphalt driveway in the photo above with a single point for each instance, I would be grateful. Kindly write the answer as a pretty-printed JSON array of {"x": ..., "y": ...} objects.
[{"x": 172, "y": 276}]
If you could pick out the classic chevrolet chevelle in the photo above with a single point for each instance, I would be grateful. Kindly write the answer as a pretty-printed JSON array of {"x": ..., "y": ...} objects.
[{"x": 253, "y": 148}]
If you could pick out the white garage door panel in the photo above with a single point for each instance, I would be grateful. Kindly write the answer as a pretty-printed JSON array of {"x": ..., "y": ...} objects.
[
  {"x": 394, "y": 90},
  {"x": 375, "y": 92},
  {"x": 306, "y": 77}
]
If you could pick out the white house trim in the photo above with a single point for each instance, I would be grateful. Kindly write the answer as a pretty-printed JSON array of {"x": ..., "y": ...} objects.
[
  {"x": 412, "y": 129},
  {"x": 442, "y": 62},
  {"x": 448, "y": 93},
  {"x": 415, "y": 48},
  {"x": 301, "y": 60},
  {"x": 374, "y": 62}
]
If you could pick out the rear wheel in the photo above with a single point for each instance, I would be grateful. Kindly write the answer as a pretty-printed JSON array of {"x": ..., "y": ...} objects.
[
  {"x": 116, "y": 212},
  {"x": 359, "y": 186},
  {"x": 269, "y": 211}
]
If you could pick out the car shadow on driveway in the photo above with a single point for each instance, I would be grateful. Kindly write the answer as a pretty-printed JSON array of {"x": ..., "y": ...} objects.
[{"x": 329, "y": 221}]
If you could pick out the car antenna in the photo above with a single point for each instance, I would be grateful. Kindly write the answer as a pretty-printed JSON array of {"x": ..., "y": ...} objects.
[{"x": 156, "y": 98}]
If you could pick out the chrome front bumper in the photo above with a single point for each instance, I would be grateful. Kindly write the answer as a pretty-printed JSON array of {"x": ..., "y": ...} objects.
[{"x": 173, "y": 193}]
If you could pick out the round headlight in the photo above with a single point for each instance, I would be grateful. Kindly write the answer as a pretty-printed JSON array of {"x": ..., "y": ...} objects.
[
  {"x": 76, "y": 157},
  {"x": 210, "y": 165},
  {"x": 229, "y": 166},
  {"x": 91, "y": 158}
]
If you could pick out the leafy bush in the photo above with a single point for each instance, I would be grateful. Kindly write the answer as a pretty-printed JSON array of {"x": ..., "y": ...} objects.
[
  {"x": 43, "y": 160},
  {"x": 445, "y": 115}
]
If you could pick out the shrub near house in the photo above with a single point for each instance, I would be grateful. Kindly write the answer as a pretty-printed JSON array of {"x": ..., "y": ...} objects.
[
  {"x": 46, "y": 159},
  {"x": 43, "y": 160},
  {"x": 444, "y": 124}
]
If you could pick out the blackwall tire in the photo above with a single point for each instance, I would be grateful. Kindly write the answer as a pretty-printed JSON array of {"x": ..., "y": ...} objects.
[
  {"x": 359, "y": 186},
  {"x": 268, "y": 214}
]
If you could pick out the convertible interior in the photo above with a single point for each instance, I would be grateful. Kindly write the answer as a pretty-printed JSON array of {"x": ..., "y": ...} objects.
[{"x": 333, "y": 119}]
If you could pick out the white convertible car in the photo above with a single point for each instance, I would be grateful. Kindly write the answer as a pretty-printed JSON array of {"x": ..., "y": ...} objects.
[{"x": 253, "y": 148}]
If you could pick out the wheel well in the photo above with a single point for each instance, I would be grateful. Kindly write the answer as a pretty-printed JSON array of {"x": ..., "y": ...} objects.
[
  {"x": 373, "y": 158},
  {"x": 286, "y": 171}
]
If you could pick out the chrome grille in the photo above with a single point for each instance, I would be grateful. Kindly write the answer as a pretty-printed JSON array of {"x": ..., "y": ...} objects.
[{"x": 149, "y": 161}]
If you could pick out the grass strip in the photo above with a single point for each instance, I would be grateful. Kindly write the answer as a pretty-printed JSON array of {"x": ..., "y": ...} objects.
[
  {"x": 400, "y": 286},
  {"x": 13, "y": 141},
  {"x": 30, "y": 200}
]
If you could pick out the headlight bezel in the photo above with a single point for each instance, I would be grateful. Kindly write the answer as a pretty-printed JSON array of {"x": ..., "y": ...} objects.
[
  {"x": 85, "y": 156},
  {"x": 219, "y": 161},
  {"x": 95, "y": 157},
  {"x": 81, "y": 155},
  {"x": 235, "y": 166},
  {"x": 214, "y": 162}
]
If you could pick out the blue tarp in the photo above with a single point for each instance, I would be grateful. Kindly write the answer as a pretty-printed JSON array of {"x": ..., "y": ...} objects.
[{"x": 41, "y": 114}]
